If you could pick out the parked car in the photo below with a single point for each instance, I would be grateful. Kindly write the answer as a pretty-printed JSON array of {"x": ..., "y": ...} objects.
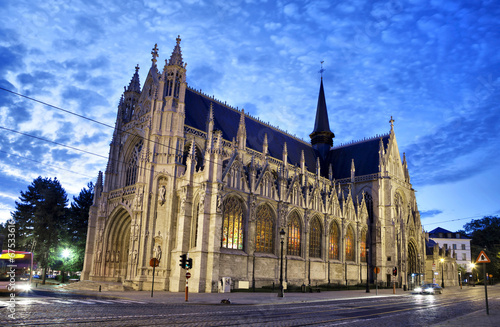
[{"x": 429, "y": 289}]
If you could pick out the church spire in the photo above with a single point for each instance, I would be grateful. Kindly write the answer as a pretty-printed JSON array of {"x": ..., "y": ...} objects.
[
  {"x": 135, "y": 84},
  {"x": 322, "y": 136},
  {"x": 176, "y": 57}
]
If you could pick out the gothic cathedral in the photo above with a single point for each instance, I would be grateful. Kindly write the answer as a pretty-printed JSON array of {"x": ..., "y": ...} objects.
[{"x": 189, "y": 174}]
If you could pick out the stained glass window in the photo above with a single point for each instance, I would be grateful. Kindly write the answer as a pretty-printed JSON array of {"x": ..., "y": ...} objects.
[
  {"x": 264, "y": 241},
  {"x": 333, "y": 247},
  {"x": 131, "y": 172},
  {"x": 349, "y": 245},
  {"x": 293, "y": 247},
  {"x": 315, "y": 239},
  {"x": 232, "y": 225},
  {"x": 363, "y": 246}
]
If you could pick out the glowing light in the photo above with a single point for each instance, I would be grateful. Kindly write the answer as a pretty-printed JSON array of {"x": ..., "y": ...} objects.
[{"x": 66, "y": 253}]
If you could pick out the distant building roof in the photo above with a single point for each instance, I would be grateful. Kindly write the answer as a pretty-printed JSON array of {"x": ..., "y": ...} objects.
[{"x": 444, "y": 233}]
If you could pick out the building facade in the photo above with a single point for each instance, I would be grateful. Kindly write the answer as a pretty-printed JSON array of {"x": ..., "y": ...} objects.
[
  {"x": 188, "y": 173},
  {"x": 458, "y": 244},
  {"x": 441, "y": 265}
]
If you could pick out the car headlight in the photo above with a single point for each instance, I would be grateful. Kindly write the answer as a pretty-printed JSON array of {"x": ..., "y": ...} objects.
[
  {"x": 430, "y": 290},
  {"x": 418, "y": 289},
  {"x": 24, "y": 287}
]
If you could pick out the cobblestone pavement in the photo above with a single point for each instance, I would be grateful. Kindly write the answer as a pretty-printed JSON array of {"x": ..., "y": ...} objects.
[{"x": 50, "y": 305}]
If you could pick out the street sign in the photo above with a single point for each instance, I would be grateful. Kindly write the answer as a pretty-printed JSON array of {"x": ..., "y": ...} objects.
[
  {"x": 376, "y": 270},
  {"x": 433, "y": 266},
  {"x": 154, "y": 262},
  {"x": 188, "y": 275},
  {"x": 482, "y": 258}
]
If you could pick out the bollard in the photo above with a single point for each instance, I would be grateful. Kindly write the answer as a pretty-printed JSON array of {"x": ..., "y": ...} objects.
[
  {"x": 36, "y": 285},
  {"x": 99, "y": 288}
]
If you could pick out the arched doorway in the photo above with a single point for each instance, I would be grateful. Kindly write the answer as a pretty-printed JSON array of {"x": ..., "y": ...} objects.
[
  {"x": 117, "y": 247},
  {"x": 413, "y": 273}
]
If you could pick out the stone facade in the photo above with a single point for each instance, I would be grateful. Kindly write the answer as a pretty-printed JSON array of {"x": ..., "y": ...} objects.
[{"x": 189, "y": 174}]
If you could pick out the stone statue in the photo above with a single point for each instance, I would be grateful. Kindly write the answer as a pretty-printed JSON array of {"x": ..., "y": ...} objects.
[{"x": 161, "y": 194}]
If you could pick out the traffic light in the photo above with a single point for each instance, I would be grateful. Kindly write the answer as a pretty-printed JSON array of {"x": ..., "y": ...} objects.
[
  {"x": 189, "y": 264},
  {"x": 183, "y": 261},
  {"x": 395, "y": 271}
]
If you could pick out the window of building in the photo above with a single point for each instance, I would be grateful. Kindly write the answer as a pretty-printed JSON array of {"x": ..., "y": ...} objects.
[
  {"x": 264, "y": 240},
  {"x": 464, "y": 256},
  {"x": 333, "y": 247},
  {"x": 349, "y": 245},
  {"x": 454, "y": 246},
  {"x": 132, "y": 164},
  {"x": 232, "y": 224},
  {"x": 463, "y": 246},
  {"x": 363, "y": 246},
  {"x": 445, "y": 246},
  {"x": 293, "y": 247},
  {"x": 315, "y": 239}
]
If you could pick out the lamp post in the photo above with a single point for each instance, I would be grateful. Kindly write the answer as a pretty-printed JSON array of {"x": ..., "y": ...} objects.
[
  {"x": 65, "y": 254},
  {"x": 473, "y": 265},
  {"x": 367, "y": 271},
  {"x": 282, "y": 238},
  {"x": 442, "y": 272},
  {"x": 419, "y": 268}
]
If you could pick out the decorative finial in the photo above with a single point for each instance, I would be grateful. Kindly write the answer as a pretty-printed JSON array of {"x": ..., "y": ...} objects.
[
  {"x": 392, "y": 123},
  {"x": 154, "y": 52},
  {"x": 178, "y": 39},
  {"x": 321, "y": 70},
  {"x": 137, "y": 68}
]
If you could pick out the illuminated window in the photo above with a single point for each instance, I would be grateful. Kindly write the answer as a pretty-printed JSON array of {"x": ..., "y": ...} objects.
[
  {"x": 315, "y": 239},
  {"x": 363, "y": 246},
  {"x": 232, "y": 225},
  {"x": 333, "y": 246},
  {"x": 349, "y": 245},
  {"x": 264, "y": 241},
  {"x": 294, "y": 236},
  {"x": 131, "y": 172}
]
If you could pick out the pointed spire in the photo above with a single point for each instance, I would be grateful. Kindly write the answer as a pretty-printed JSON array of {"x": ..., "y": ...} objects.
[
  {"x": 154, "y": 53},
  {"x": 330, "y": 172},
  {"x": 135, "y": 85},
  {"x": 176, "y": 57},
  {"x": 353, "y": 171},
  {"x": 392, "y": 124},
  {"x": 265, "y": 145},
  {"x": 318, "y": 167},
  {"x": 242, "y": 131},
  {"x": 285, "y": 155},
  {"x": 302, "y": 162},
  {"x": 322, "y": 136}
]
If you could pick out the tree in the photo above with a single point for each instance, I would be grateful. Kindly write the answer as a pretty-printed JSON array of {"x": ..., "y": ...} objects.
[
  {"x": 485, "y": 236},
  {"x": 76, "y": 230},
  {"x": 38, "y": 217}
]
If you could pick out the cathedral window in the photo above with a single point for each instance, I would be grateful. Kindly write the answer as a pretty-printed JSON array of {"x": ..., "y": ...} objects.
[
  {"x": 363, "y": 246},
  {"x": 264, "y": 240},
  {"x": 132, "y": 163},
  {"x": 349, "y": 245},
  {"x": 369, "y": 206},
  {"x": 293, "y": 247},
  {"x": 232, "y": 224},
  {"x": 333, "y": 246},
  {"x": 315, "y": 239}
]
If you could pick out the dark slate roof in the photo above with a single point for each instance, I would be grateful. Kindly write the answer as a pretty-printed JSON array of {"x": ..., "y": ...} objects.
[
  {"x": 435, "y": 234},
  {"x": 226, "y": 119},
  {"x": 364, "y": 153}
]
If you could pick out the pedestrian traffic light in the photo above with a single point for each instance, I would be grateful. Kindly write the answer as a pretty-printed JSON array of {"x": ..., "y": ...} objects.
[
  {"x": 183, "y": 261},
  {"x": 395, "y": 271},
  {"x": 189, "y": 264}
]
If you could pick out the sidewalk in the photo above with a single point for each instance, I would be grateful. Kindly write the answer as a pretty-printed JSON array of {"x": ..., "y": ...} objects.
[{"x": 476, "y": 319}]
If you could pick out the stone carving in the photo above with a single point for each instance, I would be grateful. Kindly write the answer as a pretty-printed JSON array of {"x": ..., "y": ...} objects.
[
  {"x": 107, "y": 255},
  {"x": 161, "y": 194},
  {"x": 117, "y": 257},
  {"x": 99, "y": 256},
  {"x": 157, "y": 252}
]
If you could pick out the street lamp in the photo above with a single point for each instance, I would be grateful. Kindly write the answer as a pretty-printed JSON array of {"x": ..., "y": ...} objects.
[
  {"x": 282, "y": 238},
  {"x": 473, "y": 265},
  {"x": 367, "y": 271},
  {"x": 65, "y": 254},
  {"x": 442, "y": 272}
]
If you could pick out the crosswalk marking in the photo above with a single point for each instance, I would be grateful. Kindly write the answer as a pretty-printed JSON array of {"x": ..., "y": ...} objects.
[{"x": 48, "y": 300}]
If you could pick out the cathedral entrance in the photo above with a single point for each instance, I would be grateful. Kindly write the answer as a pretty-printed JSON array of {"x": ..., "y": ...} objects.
[
  {"x": 117, "y": 247},
  {"x": 413, "y": 273}
]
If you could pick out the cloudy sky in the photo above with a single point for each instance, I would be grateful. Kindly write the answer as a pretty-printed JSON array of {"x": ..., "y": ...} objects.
[{"x": 432, "y": 65}]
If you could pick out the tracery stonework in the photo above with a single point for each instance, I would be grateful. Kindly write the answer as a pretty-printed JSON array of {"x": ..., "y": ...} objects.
[{"x": 227, "y": 198}]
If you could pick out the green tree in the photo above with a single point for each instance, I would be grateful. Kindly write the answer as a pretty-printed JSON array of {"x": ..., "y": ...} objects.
[
  {"x": 39, "y": 216},
  {"x": 485, "y": 236},
  {"x": 76, "y": 229}
]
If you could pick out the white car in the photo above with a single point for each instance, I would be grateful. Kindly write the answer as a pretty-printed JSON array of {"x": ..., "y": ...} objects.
[{"x": 429, "y": 289}]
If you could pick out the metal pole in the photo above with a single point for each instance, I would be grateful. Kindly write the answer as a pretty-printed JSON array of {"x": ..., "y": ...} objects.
[
  {"x": 485, "y": 289},
  {"x": 442, "y": 274},
  {"x": 186, "y": 293},
  {"x": 367, "y": 271},
  {"x": 153, "y": 284},
  {"x": 280, "y": 294}
]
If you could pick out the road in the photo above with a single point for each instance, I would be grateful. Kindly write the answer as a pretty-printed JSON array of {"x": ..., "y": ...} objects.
[{"x": 45, "y": 308}]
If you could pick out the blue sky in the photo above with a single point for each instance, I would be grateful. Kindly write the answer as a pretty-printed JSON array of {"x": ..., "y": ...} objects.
[{"x": 432, "y": 65}]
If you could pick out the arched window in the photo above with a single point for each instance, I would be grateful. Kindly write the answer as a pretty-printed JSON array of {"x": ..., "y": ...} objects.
[
  {"x": 369, "y": 206},
  {"x": 293, "y": 247},
  {"x": 349, "y": 245},
  {"x": 315, "y": 239},
  {"x": 232, "y": 224},
  {"x": 131, "y": 172},
  {"x": 363, "y": 246},
  {"x": 264, "y": 240},
  {"x": 333, "y": 246}
]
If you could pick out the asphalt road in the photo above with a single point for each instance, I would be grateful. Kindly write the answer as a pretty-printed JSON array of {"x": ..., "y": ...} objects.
[{"x": 45, "y": 308}]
